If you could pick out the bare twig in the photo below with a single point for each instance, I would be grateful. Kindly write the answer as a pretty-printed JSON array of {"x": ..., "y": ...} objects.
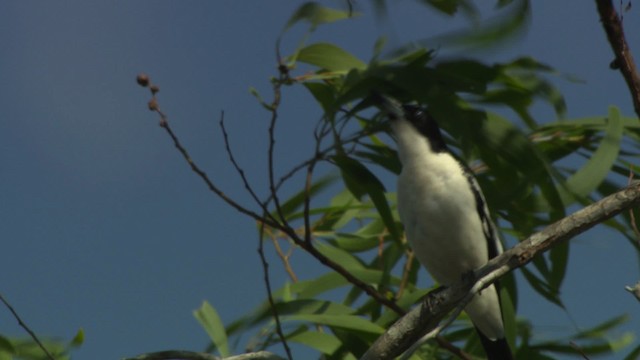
[
  {"x": 438, "y": 303},
  {"x": 285, "y": 259},
  {"x": 283, "y": 227},
  {"x": 307, "y": 192},
  {"x": 272, "y": 304},
  {"x": 26, "y": 328},
  {"x": 240, "y": 171},
  {"x": 406, "y": 270},
  {"x": 153, "y": 105},
  {"x": 307, "y": 203},
  {"x": 578, "y": 350},
  {"x": 624, "y": 60},
  {"x": 277, "y": 97}
]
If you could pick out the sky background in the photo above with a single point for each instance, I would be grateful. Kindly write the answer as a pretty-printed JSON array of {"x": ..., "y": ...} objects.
[{"x": 103, "y": 226}]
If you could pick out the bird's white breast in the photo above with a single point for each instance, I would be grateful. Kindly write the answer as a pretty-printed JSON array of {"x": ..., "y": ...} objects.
[
  {"x": 439, "y": 213},
  {"x": 437, "y": 208}
]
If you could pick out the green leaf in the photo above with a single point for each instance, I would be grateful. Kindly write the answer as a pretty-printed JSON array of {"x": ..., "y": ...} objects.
[
  {"x": 6, "y": 345},
  {"x": 316, "y": 15},
  {"x": 509, "y": 305},
  {"x": 209, "y": 319},
  {"x": 602, "y": 328},
  {"x": 253, "y": 91},
  {"x": 355, "y": 243},
  {"x": 492, "y": 32},
  {"x": 329, "y": 57},
  {"x": 559, "y": 259},
  {"x": 382, "y": 156},
  {"x": 592, "y": 174},
  {"x": 543, "y": 288},
  {"x": 347, "y": 322},
  {"x": 330, "y": 281},
  {"x": 324, "y": 95},
  {"x": 297, "y": 200},
  {"x": 510, "y": 156},
  {"x": 634, "y": 354},
  {"x": 466, "y": 75},
  {"x": 78, "y": 339},
  {"x": 360, "y": 181},
  {"x": 340, "y": 256},
  {"x": 323, "y": 342}
]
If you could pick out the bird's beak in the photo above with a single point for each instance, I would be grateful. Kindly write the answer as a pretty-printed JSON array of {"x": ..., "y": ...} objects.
[{"x": 389, "y": 105}]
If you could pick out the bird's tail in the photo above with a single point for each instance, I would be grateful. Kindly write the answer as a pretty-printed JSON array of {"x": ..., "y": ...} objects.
[{"x": 495, "y": 349}]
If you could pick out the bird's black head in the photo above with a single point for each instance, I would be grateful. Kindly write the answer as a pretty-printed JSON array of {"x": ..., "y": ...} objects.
[{"x": 426, "y": 125}]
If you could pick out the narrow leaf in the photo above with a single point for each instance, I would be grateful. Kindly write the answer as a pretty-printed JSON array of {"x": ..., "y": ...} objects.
[
  {"x": 591, "y": 175},
  {"x": 209, "y": 319},
  {"x": 78, "y": 339},
  {"x": 323, "y": 342},
  {"x": 360, "y": 181},
  {"x": 316, "y": 15},
  {"x": 330, "y": 57},
  {"x": 348, "y": 322}
]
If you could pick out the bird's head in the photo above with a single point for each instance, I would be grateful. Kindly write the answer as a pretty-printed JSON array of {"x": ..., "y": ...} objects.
[{"x": 409, "y": 121}]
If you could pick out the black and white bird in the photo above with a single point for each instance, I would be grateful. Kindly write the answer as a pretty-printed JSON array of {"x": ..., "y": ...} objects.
[{"x": 444, "y": 213}]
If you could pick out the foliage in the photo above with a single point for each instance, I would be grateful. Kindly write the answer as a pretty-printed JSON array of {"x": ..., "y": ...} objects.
[
  {"x": 524, "y": 168},
  {"x": 28, "y": 349}
]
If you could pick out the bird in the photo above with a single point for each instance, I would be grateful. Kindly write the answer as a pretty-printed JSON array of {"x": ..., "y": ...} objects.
[{"x": 445, "y": 216}]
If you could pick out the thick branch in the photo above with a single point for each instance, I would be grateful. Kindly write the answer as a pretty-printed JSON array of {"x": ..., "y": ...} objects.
[
  {"x": 438, "y": 303},
  {"x": 624, "y": 60}
]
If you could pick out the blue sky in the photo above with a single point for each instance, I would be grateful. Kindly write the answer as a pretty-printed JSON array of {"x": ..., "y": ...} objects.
[{"x": 104, "y": 227}]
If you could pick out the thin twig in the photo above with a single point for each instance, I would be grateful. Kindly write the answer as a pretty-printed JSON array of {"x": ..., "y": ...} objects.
[
  {"x": 235, "y": 164},
  {"x": 26, "y": 328},
  {"x": 307, "y": 203},
  {"x": 624, "y": 60},
  {"x": 164, "y": 123},
  {"x": 285, "y": 259},
  {"x": 267, "y": 282},
  {"x": 277, "y": 97},
  {"x": 578, "y": 350},
  {"x": 284, "y": 227},
  {"x": 406, "y": 270}
]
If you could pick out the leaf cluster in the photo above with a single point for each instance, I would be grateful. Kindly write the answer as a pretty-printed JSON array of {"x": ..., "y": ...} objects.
[{"x": 532, "y": 171}]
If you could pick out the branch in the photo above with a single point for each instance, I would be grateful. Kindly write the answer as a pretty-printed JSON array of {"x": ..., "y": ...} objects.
[
  {"x": 26, "y": 328},
  {"x": 143, "y": 80},
  {"x": 272, "y": 304},
  {"x": 624, "y": 60},
  {"x": 235, "y": 164},
  {"x": 438, "y": 303}
]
